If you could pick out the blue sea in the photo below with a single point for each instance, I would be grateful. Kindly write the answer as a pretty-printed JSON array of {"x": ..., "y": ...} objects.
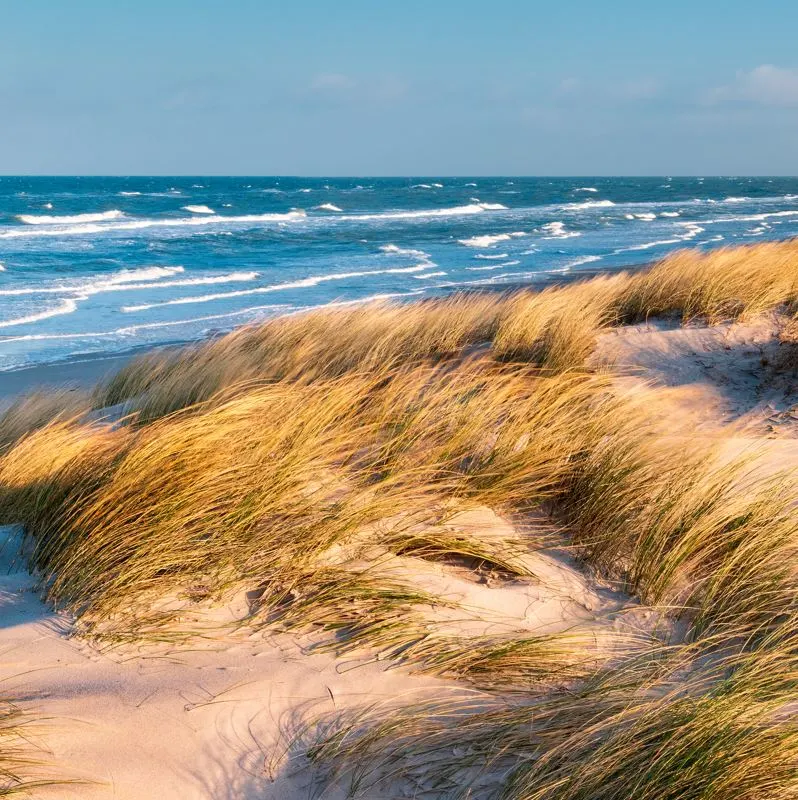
[{"x": 93, "y": 265}]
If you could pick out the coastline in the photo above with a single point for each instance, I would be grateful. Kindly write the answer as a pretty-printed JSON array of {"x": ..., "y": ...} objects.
[{"x": 83, "y": 371}]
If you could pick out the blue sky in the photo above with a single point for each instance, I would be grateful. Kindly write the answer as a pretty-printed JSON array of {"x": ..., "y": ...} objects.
[{"x": 441, "y": 87}]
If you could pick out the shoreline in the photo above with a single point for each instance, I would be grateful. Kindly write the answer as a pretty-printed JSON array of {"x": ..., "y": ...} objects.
[{"x": 83, "y": 371}]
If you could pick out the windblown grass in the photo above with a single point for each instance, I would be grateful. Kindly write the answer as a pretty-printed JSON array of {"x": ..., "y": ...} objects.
[
  {"x": 295, "y": 460},
  {"x": 673, "y": 725},
  {"x": 36, "y": 410},
  {"x": 16, "y": 755}
]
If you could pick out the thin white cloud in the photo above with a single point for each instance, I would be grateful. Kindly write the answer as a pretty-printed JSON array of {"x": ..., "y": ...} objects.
[{"x": 766, "y": 85}]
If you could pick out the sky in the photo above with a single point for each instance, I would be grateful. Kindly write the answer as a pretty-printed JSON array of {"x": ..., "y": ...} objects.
[{"x": 376, "y": 87}]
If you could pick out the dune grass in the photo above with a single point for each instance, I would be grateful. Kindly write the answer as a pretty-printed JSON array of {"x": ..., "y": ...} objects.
[
  {"x": 671, "y": 725},
  {"x": 554, "y": 329},
  {"x": 297, "y": 460},
  {"x": 17, "y": 760}
]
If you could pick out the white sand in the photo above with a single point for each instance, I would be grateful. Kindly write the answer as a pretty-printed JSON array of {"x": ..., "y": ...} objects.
[{"x": 212, "y": 721}]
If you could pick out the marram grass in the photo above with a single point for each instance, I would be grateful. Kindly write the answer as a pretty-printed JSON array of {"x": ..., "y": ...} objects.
[{"x": 295, "y": 459}]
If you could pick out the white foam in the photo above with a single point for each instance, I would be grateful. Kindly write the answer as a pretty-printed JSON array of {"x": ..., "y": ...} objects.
[
  {"x": 670, "y": 214},
  {"x": 469, "y": 184},
  {"x": 68, "y": 306},
  {"x": 139, "y": 224},
  {"x": 493, "y": 206},
  {"x": 199, "y": 209},
  {"x": 589, "y": 204},
  {"x": 2, "y": 267},
  {"x": 647, "y": 245},
  {"x": 490, "y": 239},
  {"x": 736, "y": 199},
  {"x": 129, "y": 194},
  {"x": 456, "y": 211},
  {"x": 403, "y": 251},
  {"x": 47, "y": 205},
  {"x": 230, "y": 277},
  {"x": 556, "y": 230},
  {"x": 314, "y": 280},
  {"x": 692, "y": 231},
  {"x": 751, "y": 218},
  {"x": 94, "y": 285},
  {"x": 130, "y": 329},
  {"x": 70, "y": 219},
  {"x": 648, "y": 216},
  {"x": 490, "y": 256},
  {"x": 328, "y": 207},
  {"x": 582, "y": 260},
  {"x": 586, "y": 189},
  {"x": 424, "y": 275}
]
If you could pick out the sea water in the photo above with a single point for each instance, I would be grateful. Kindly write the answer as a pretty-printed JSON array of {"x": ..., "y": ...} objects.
[{"x": 92, "y": 265}]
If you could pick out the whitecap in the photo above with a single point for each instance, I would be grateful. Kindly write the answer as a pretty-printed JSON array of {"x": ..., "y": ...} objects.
[
  {"x": 456, "y": 211},
  {"x": 199, "y": 209},
  {"x": 47, "y": 205},
  {"x": 648, "y": 216},
  {"x": 692, "y": 230},
  {"x": 586, "y": 189},
  {"x": 98, "y": 283},
  {"x": 328, "y": 207},
  {"x": 490, "y": 239},
  {"x": 589, "y": 204},
  {"x": 647, "y": 245},
  {"x": 492, "y": 257},
  {"x": 556, "y": 230},
  {"x": 751, "y": 218},
  {"x": 469, "y": 184},
  {"x": 670, "y": 214},
  {"x": 140, "y": 224},
  {"x": 424, "y": 275},
  {"x": 736, "y": 199},
  {"x": 403, "y": 251},
  {"x": 578, "y": 262},
  {"x": 68, "y": 306},
  {"x": 70, "y": 219},
  {"x": 129, "y": 194},
  {"x": 302, "y": 283}
]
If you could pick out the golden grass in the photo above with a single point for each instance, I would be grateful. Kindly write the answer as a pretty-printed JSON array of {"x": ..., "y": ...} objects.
[
  {"x": 296, "y": 458},
  {"x": 554, "y": 329},
  {"x": 34, "y": 411},
  {"x": 17, "y": 756},
  {"x": 681, "y": 723}
]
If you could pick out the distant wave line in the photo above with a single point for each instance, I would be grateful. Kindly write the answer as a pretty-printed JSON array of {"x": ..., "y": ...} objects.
[{"x": 313, "y": 280}]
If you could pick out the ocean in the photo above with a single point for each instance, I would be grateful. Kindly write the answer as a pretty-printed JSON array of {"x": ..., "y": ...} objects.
[{"x": 92, "y": 265}]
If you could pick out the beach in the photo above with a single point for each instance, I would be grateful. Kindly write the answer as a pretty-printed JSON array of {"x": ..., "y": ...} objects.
[{"x": 430, "y": 549}]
